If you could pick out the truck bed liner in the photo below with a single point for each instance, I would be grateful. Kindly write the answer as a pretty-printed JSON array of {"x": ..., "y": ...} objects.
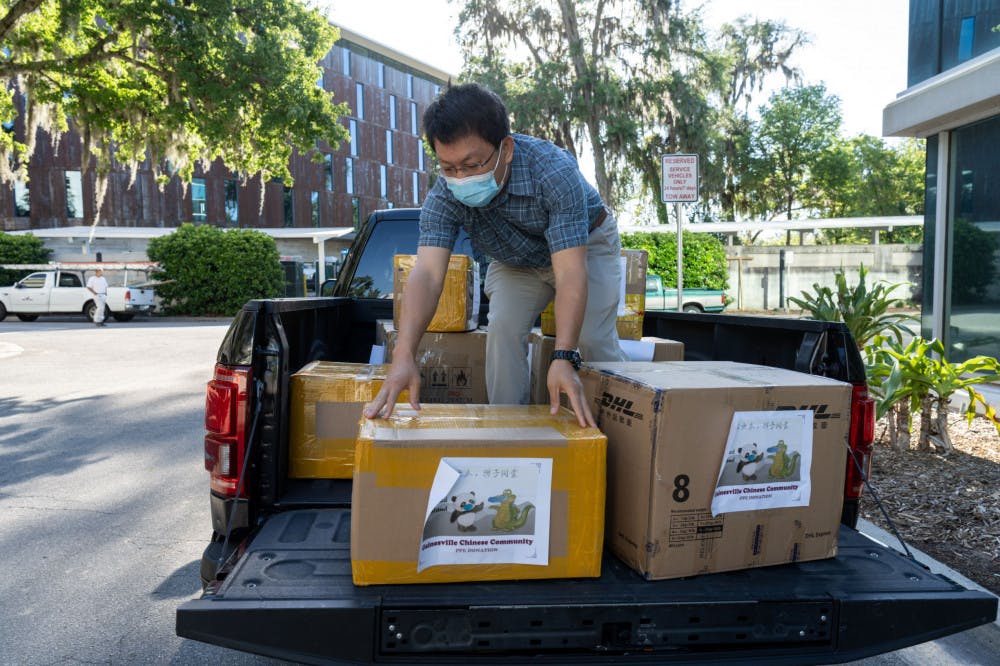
[{"x": 297, "y": 573}]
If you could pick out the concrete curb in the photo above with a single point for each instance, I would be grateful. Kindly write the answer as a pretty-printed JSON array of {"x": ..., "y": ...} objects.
[{"x": 890, "y": 541}]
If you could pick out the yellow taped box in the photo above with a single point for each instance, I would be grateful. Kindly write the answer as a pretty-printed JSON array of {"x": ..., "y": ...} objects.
[
  {"x": 675, "y": 458},
  {"x": 458, "y": 306},
  {"x": 326, "y": 403},
  {"x": 540, "y": 348},
  {"x": 475, "y": 493},
  {"x": 452, "y": 365},
  {"x": 632, "y": 305}
]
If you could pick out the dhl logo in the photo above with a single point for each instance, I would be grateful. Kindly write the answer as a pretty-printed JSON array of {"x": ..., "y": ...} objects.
[{"x": 619, "y": 404}]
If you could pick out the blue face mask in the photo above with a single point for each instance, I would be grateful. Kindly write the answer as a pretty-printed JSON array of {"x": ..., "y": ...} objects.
[{"x": 475, "y": 191}]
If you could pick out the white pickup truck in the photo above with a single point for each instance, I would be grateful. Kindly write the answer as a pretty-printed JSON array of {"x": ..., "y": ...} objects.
[{"x": 58, "y": 290}]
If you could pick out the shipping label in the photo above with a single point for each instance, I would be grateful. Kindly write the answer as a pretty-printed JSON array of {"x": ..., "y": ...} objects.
[
  {"x": 767, "y": 462},
  {"x": 488, "y": 511}
]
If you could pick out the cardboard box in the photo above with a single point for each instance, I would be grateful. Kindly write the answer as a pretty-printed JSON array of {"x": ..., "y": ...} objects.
[
  {"x": 458, "y": 307},
  {"x": 631, "y": 305},
  {"x": 475, "y": 493},
  {"x": 452, "y": 365},
  {"x": 674, "y": 458},
  {"x": 326, "y": 402},
  {"x": 540, "y": 348}
]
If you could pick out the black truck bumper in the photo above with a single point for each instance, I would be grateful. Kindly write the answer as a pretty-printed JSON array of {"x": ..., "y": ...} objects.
[{"x": 291, "y": 597}]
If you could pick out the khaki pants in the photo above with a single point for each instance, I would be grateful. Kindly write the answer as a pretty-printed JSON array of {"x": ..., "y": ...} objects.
[{"x": 518, "y": 295}]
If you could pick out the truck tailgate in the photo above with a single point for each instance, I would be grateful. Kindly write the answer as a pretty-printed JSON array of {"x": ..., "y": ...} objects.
[{"x": 291, "y": 596}]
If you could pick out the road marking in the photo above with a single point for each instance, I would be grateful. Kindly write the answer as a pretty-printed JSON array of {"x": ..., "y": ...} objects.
[{"x": 9, "y": 349}]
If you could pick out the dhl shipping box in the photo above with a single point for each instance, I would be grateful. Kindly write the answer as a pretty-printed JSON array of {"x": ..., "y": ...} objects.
[
  {"x": 477, "y": 492},
  {"x": 452, "y": 365},
  {"x": 326, "y": 403},
  {"x": 632, "y": 302},
  {"x": 458, "y": 307},
  {"x": 716, "y": 466},
  {"x": 541, "y": 348}
]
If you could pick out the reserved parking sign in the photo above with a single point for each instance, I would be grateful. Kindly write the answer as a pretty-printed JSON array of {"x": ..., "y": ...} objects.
[{"x": 679, "y": 178}]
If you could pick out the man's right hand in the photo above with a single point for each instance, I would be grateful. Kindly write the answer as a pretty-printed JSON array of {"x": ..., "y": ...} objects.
[{"x": 403, "y": 375}]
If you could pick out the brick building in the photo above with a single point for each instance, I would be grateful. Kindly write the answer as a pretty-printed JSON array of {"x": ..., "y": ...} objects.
[{"x": 382, "y": 166}]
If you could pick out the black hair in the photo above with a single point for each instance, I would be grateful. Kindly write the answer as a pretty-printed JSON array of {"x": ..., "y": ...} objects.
[{"x": 463, "y": 110}]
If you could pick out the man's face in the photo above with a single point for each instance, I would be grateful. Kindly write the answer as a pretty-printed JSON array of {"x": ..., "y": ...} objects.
[{"x": 472, "y": 155}]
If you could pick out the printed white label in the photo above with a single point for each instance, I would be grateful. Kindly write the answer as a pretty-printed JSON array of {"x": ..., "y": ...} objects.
[
  {"x": 638, "y": 350},
  {"x": 767, "y": 462},
  {"x": 488, "y": 511}
]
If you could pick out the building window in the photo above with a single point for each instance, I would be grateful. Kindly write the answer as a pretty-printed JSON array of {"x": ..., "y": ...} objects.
[
  {"x": 74, "y": 195},
  {"x": 328, "y": 171},
  {"x": 381, "y": 75},
  {"x": 198, "y": 199},
  {"x": 966, "y": 37},
  {"x": 392, "y": 111},
  {"x": 437, "y": 89},
  {"x": 349, "y": 175},
  {"x": 289, "y": 208},
  {"x": 354, "y": 137},
  {"x": 409, "y": 85},
  {"x": 359, "y": 100},
  {"x": 383, "y": 179},
  {"x": 388, "y": 147},
  {"x": 413, "y": 119},
  {"x": 356, "y": 212},
  {"x": 314, "y": 203},
  {"x": 22, "y": 199},
  {"x": 420, "y": 155},
  {"x": 232, "y": 202},
  {"x": 416, "y": 187},
  {"x": 345, "y": 62}
]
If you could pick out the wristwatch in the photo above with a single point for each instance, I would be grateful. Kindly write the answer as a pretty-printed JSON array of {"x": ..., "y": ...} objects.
[{"x": 570, "y": 355}]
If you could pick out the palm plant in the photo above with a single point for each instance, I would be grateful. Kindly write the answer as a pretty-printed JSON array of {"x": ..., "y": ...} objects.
[
  {"x": 917, "y": 377},
  {"x": 865, "y": 311}
]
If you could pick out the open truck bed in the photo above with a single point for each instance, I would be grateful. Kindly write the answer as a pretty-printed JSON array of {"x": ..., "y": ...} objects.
[
  {"x": 286, "y": 589},
  {"x": 291, "y": 596}
]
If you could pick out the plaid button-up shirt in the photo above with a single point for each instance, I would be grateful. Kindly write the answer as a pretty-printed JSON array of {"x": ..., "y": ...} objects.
[{"x": 547, "y": 206}]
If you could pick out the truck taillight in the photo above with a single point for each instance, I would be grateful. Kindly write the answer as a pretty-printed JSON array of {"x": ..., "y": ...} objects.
[
  {"x": 861, "y": 438},
  {"x": 128, "y": 295},
  {"x": 225, "y": 426}
]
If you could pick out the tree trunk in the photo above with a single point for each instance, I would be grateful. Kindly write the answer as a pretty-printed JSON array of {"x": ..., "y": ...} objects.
[
  {"x": 926, "y": 429},
  {"x": 941, "y": 437},
  {"x": 899, "y": 426}
]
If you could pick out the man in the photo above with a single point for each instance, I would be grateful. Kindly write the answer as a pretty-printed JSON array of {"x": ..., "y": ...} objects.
[
  {"x": 525, "y": 204},
  {"x": 98, "y": 286}
]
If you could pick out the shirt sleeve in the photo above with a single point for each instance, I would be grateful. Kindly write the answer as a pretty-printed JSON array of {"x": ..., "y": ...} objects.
[
  {"x": 439, "y": 221},
  {"x": 564, "y": 195}
]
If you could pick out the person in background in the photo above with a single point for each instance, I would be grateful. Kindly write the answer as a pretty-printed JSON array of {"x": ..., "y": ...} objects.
[
  {"x": 525, "y": 204},
  {"x": 98, "y": 286}
]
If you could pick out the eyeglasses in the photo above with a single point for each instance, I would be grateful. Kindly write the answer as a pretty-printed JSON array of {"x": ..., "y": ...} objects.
[{"x": 468, "y": 169}]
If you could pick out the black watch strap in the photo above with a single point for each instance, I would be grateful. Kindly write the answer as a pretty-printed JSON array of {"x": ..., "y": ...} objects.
[{"x": 570, "y": 355}]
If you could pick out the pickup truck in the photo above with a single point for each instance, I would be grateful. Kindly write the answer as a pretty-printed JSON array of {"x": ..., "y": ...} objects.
[
  {"x": 64, "y": 291},
  {"x": 659, "y": 297},
  {"x": 276, "y": 571}
]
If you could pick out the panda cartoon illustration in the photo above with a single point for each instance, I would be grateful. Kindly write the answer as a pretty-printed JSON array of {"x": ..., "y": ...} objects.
[
  {"x": 463, "y": 509},
  {"x": 749, "y": 461}
]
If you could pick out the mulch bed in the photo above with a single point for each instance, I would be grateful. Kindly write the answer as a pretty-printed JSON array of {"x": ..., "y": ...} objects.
[{"x": 946, "y": 504}]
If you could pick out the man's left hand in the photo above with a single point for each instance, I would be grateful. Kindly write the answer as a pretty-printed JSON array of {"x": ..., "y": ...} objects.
[{"x": 563, "y": 379}]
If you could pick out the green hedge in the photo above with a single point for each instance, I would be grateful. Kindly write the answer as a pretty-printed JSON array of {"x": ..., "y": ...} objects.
[
  {"x": 705, "y": 264},
  {"x": 215, "y": 271},
  {"x": 20, "y": 249}
]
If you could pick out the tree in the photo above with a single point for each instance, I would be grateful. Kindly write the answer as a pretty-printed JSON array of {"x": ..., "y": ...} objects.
[
  {"x": 705, "y": 265},
  {"x": 607, "y": 72},
  {"x": 171, "y": 80},
  {"x": 863, "y": 176},
  {"x": 795, "y": 129},
  {"x": 748, "y": 53},
  {"x": 20, "y": 249},
  {"x": 211, "y": 271}
]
